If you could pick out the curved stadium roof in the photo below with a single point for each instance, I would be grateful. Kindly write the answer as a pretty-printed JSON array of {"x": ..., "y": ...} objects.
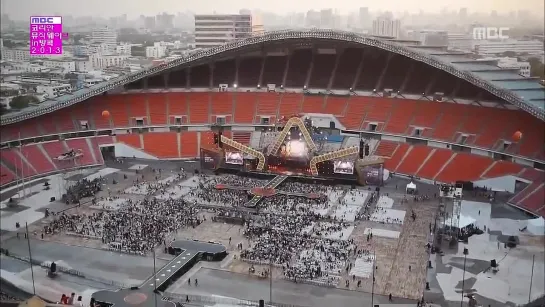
[{"x": 506, "y": 84}]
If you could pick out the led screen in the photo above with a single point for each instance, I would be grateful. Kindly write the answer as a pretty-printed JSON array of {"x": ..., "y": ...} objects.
[{"x": 343, "y": 167}]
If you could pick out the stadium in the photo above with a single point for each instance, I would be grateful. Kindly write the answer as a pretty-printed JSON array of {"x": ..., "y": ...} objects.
[{"x": 350, "y": 110}]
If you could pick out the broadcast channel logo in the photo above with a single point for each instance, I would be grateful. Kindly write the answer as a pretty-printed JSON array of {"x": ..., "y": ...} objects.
[{"x": 488, "y": 33}]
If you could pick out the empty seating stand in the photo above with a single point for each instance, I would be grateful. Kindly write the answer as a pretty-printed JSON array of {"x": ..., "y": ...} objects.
[
  {"x": 55, "y": 149},
  {"x": 392, "y": 163},
  {"x": 355, "y": 112},
  {"x": 132, "y": 140},
  {"x": 435, "y": 163},
  {"x": 161, "y": 144},
  {"x": 81, "y": 144},
  {"x": 313, "y": 104},
  {"x": 199, "y": 110},
  {"x": 290, "y": 104},
  {"x": 386, "y": 149},
  {"x": 414, "y": 159},
  {"x": 245, "y": 107},
  {"x": 401, "y": 116},
  {"x": 38, "y": 158},
  {"x": 335, "y": 105},
  {"x": 464, "y": 167},
  {"x": 157, "y": 104},
  {"x": 17, "y": 162},
  {"x": 7, "y": 175},
  {"x": 189, "y": 143}
]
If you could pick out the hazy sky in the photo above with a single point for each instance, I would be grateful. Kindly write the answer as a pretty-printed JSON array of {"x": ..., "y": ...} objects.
[{"x": 22, "y": 9}]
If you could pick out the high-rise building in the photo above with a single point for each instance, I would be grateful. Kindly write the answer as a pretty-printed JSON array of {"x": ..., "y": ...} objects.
[
  {"x": 216, "y": 30},
  {"x": 165, "y": 21},
  {"x": 364, "y": 17},
  {"x": 384, "y": 26},
  {"x": 326, "y": 18},
  {"x": 149, "y": 22},
  {"x": 104, "y": 36},
  {"x": 436, "y": 38}
]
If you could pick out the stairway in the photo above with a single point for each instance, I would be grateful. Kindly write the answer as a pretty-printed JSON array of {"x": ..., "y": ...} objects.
[
  {"x": 330, "y": 156},
  {"x": 247, "y": 150},
  {"x": 294, "y": 121}
]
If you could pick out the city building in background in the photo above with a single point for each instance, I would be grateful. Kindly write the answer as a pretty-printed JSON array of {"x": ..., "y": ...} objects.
[
  {"x": 511, "y": 63},
  {"x": 494, "y": 47},
  {"x": 104, "y": 35},
  {"x": 216, "y": 30},
  {"x": 460, "y": 41},
  {"x": 435, "y": 38},
  {"x": 386, "y": 26}
]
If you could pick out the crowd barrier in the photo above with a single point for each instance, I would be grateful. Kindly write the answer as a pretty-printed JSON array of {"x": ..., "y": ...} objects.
[
  {"x": 201, "y": 299},
  {"x": 261, "y": 262},
  {"x": 83, "y": 236}
]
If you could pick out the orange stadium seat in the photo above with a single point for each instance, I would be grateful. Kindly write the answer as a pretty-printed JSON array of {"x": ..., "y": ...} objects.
[
  {"x": 464, "y": 167},
  {"x": 222, "y": 103},
  {"x": 130, "y": 139},
  {"x": 290, "y": 104},
  {"x": 245, "y": 108},
  {"x": 177, "y": 105},
  {"x": 207, "y": 138},
  {"x": 96, "y": 150},
  {"x": 535, "y": 200},
  {"x": 392, "y": 163},
  {"x": 63, "y": 121},
  {"x": 138, "y": 107},
  {"x": 79, "y": 112},
  {"x": 162, "y": 144},
  {"x": 17, "y": 163},
  {"x": 37, "y": 157},
  {"x": 199, "y": 112},
  {"x": 26, "y": 129},
  {"x": 379, "y": 111},
  {"x": 157, "y": 108},
  {"x": 335, "y": 105},
  {"x": 502, "y": 168},
  {"x": 427, "y": 115},
  {"x": 414, "y": 159},
  {"x": 533, "y": 135},
  {"x": 355, "y": 112},
  {"x": 189, "y": 144},
  {"x": 525, "y": 192},
  {"x": 532, "y": 174},
  {"x": 82, "y": 144},
  {"x": 267, "y": 104},
  {"x": 118, "y": 108},
  {"x": 401, "y": 116},
  {"x": 386, "y": 148},
  {"x": 498, "y": 123},
  {"x": 7, "y": 175},
  {"x": 453, "y": 115},
  {"x": 476, "y": 119},
  {"x": 242, "y": 137},
  {"x": 56, "y": 148},
  {"x": 313, "y": 104},
  {"x": 97, "y": 105},
  {"x": 104, "y": 140},
  {"x": 434, "y": 164},
  {"x": 49, "y": 126}
]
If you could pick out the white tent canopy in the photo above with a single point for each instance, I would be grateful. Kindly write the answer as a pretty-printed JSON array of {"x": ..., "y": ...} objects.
[
  {"x": 537, "y": 226},
  {"x": 411, "y": 187}
]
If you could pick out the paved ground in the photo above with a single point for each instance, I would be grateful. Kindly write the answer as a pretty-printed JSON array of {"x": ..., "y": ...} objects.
[
  {"x": 393, "y": 256},
  {"x": 223, "y": 283}
]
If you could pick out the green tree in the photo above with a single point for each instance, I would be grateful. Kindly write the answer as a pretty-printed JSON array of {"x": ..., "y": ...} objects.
[{"x": 21, "y": 102}]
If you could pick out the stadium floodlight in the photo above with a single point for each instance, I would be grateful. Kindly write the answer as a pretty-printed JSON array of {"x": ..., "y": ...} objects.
[
  {"x": 305, "y": 87},
  {"x": 235, "y": 85},
  {"x": 259, "y": 86},
  {"x": 351, "y": 89}
]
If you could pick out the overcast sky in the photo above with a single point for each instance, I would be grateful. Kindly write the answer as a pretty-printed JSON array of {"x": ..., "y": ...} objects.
[{"x": 22, "y": 9}]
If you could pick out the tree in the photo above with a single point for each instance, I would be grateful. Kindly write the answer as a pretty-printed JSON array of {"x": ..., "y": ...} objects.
[{"x": 21, "y": 102}]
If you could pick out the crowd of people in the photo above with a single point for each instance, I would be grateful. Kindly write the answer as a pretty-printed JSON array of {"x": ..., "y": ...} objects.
[
  {"x": 135, "y": 227},
  {"x": 81, "y": 189}
]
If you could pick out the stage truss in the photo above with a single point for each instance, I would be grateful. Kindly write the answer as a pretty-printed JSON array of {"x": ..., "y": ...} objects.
[{"x": 306, "y": 135}]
